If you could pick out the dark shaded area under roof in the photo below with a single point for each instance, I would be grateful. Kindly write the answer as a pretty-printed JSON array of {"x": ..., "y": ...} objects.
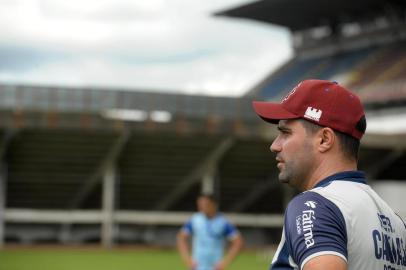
[{"x": 300, "y": 14}]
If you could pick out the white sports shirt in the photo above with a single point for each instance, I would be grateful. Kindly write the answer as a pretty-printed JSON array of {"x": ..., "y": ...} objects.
[{"x": 342, "y": 216}]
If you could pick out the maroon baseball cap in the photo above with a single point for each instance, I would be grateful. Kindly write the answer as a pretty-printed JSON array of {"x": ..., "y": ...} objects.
[{"x": 322, "y": 102}]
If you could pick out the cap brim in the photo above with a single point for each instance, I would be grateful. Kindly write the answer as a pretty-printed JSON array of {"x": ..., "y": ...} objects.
[{"x": 272, "y": 112}]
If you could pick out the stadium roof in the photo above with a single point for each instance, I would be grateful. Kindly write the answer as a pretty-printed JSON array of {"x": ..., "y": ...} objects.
[{"x": 304, "y": 14}]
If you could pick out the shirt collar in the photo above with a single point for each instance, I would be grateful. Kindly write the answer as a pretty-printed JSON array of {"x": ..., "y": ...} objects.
[{"x": 352, "y": 176}]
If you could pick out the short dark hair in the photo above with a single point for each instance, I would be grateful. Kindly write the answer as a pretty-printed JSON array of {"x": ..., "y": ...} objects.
[
  {"x": 349, "y": 145},
  {"x": 209, "y": 196}
]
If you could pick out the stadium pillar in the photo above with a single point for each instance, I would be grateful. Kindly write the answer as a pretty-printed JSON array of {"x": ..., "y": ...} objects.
[
  {"x": 208, "y": 181},
  {"x": 2, "y": 203},
  {"x": 107, "y": 232}
]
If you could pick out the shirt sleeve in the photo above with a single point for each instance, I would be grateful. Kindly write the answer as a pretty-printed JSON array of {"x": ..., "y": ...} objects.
[
  {"x": 230, "y": 230},
  {"x": 314, "y": 226},
  {"x": 187, "y": 227}
]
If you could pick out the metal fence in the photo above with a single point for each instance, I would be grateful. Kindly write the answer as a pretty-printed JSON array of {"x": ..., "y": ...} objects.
[{"x": 37, "y": 98}]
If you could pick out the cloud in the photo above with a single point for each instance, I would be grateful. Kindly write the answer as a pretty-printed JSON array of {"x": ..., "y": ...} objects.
[{"x": 168, "y": 45}]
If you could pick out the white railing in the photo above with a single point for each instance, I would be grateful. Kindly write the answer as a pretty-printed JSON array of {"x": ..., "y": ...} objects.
[{"x": 14, "y": 215}]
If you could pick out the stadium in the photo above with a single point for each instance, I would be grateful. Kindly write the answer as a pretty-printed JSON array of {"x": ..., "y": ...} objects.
[{"x": 117, "y": 168}]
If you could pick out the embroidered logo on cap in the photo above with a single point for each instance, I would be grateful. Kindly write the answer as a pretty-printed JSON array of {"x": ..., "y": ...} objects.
[
  {"x": 291, "y": 92},
  {"x": 313, "y": 114}
]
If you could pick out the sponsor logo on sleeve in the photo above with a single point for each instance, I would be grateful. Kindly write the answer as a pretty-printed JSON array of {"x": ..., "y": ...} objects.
[
  {"x": 299, "y": 224},
  {"x": 311, "y": 204},
  {"x": 305, "y": 221},
  {"x": 308, "y": 217}
]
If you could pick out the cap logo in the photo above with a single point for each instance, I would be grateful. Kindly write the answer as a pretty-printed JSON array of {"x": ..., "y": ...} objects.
[
  {"x": 313, "y": 114},
  {"x": 291, "y": 93}
]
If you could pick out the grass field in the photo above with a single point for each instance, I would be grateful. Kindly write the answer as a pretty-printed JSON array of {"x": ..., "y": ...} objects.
[{"x": 117, "y": 259}]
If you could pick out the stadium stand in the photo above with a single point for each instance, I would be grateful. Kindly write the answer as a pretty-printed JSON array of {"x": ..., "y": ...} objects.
[
  {"x": 45, "y": 167},
  {"x": 148, "y": 185},
  {"x": 116, "y": 166},
  {"x": 362, "y": 70},
  {"x": 361, "y": 45},
  {"x": 323, "y": 67}
]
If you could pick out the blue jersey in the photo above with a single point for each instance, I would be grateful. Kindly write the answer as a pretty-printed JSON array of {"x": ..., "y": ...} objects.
[
  {"x": 209, "y": 235},
  {"x": 342, "y": 216}
]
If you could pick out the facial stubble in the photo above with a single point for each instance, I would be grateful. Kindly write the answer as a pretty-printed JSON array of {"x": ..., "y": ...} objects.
[{"x": 296, "y": 170}]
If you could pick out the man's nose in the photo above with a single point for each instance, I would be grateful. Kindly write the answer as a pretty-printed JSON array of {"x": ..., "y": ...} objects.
[{"x": 276, "y": 146}]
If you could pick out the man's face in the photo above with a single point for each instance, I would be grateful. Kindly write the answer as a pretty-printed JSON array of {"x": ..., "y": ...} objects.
[
  {"x": 206, "y": 206},
  {"x": 294, "y": 153}
]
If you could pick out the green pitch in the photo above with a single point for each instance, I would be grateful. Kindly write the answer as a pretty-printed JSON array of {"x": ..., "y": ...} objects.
[{"x": 117, "y": 259}]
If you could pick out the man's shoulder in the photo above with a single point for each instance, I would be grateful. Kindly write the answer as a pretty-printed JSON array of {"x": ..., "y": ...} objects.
[
  {"x": 220, "y": 216},
  {"x": 347, "y": 195},
  {"x": 314, "y": 225},
  {"x": 197, "y": 216},
  {"x": 310, "y": 201},
  {"x": 306, "y": 199}
]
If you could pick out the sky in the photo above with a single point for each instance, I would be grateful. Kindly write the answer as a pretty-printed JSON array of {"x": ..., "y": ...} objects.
[{"x": 155, "y": 45}]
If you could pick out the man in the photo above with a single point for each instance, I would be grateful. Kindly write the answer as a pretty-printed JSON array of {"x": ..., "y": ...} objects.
[
  {"x": 209, "y": 229},
  {"x": 337, "y": 222}
]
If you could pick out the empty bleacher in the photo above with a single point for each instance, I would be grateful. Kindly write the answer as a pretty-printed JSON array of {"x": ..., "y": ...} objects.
[
  {"x": 246, "y": 174},
  {"x": 331, "y": 67},
  {"x": 47, "y": 168},
  {"x": 370, "y": 71},
  {"x": 153, "y": 166}
]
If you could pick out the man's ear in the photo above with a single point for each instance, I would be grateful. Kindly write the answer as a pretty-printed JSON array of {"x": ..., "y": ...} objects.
[{"x": 326, "y": 139}]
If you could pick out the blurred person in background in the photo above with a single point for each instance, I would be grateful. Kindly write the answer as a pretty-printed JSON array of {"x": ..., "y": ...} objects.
[
  {"x": 337, "y": 222},
  {"x": 209, "y": 231}
]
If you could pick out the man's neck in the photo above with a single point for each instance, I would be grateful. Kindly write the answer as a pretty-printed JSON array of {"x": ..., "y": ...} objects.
[
  {"x": 211, "y": 215},
  {"x": 325, "y": 170}
]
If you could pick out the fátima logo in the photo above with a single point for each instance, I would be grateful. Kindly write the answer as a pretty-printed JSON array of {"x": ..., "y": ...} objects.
[{"x": 311, "y": 204}]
